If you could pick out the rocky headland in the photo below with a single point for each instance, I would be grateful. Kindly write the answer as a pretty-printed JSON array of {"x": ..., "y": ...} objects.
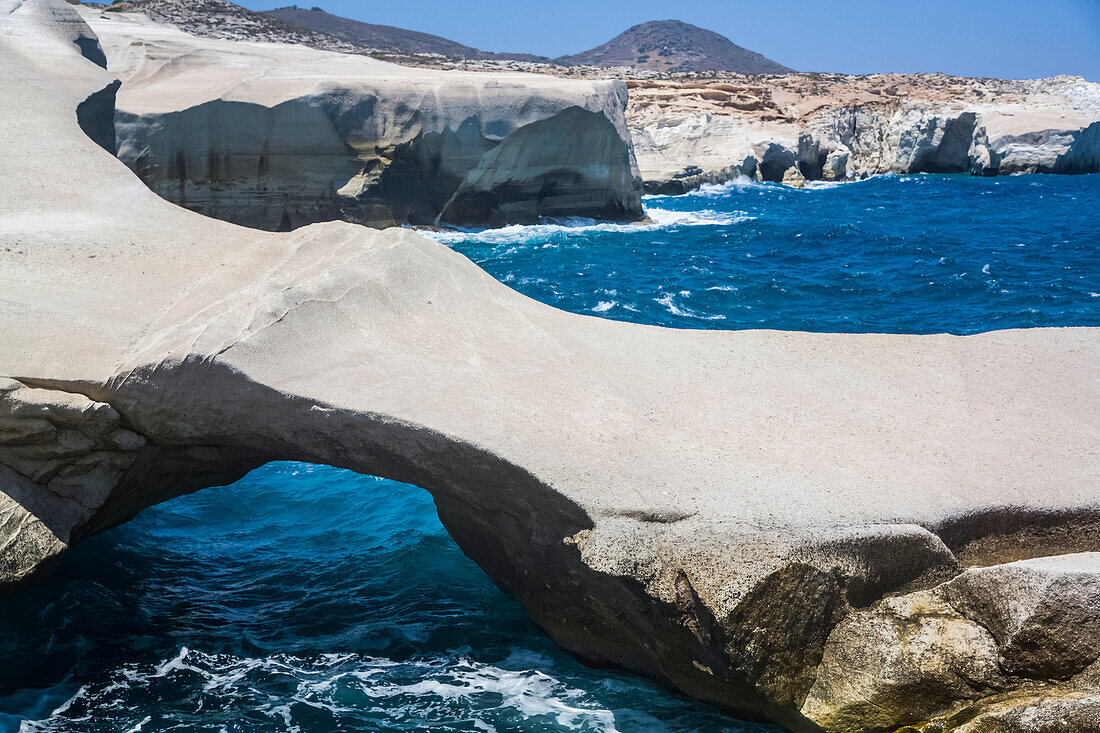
[
  {"x": 793, "y": 128},
  {"x": 836, "y": 532},
  {"x": 276, "y": 136}
]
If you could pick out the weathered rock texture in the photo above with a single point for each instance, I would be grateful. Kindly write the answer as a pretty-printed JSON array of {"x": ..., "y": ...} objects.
[
  {"x": 775, "y": 522},
  {"x": 278, "y": 136},
  {"x": 832, "y": 127},
  {"x": 1006, "y": 647}
]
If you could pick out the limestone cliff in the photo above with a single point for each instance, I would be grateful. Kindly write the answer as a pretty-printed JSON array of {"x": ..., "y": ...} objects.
[
  {"x": 838, "y": 532},
  {"x": 278, "y": 136},
  {"x": 833, "y": 127}
]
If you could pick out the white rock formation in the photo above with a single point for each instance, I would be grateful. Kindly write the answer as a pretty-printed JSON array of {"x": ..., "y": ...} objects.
[
  {"x": 277, "y": 136},
  {"x": 839, "y": 127},
  {"x": 712, "y": 509}
]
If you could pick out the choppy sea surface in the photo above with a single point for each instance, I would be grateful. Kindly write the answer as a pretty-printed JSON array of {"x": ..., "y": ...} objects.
[
  {"x": 897, "y": 254},
  {"x": 307, "y": 599}
]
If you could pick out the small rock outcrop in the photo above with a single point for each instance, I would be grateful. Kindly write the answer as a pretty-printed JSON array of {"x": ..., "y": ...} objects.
[
  {"x": 793, "y": 177},
  {"x": 835, "y": 167},
  {"x": 839, "y": 532},
  {"x": 1044, "y": 614},
  {"x": 967, "y": 654},
  {"x": 276, "y": 137}
]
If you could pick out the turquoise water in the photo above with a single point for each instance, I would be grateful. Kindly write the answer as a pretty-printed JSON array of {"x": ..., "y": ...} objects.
[{"x": 309, "y": 599}]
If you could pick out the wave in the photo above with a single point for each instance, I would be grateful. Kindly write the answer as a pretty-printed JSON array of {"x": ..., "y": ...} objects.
[
  {"x": 668, "y": 301},
  {"x": 744, "y": 183},
  {"x": 711, "y": 190},
  {"x": 581, "y": 227},
  {"x": 347, "y": 689}
]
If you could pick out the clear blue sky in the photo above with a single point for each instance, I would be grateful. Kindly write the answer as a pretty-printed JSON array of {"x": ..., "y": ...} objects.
[{"x": 1002, "y": 38}]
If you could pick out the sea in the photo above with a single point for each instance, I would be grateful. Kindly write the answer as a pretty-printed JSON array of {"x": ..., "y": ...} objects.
[{"x": 306, "y": 599}]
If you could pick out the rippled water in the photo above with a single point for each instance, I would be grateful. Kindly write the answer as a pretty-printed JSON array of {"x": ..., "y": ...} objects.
[
  {"x": 901, "y": 254},
  {"x": 309, "y": 599},
  {"x": 303, "y": 598}
]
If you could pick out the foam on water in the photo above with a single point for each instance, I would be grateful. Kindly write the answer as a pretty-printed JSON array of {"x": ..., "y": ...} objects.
[
  {"x": 349, "y": 690},
  {"x": 552, "y": 229}
]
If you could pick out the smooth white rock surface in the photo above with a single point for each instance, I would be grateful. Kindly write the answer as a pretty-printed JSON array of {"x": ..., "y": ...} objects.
[{"x": 702, "y": 507}]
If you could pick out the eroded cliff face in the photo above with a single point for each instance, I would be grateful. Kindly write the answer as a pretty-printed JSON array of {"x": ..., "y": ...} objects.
[
  {"x": 276, "y": 137},
  {"x": 835, "y": 128}
]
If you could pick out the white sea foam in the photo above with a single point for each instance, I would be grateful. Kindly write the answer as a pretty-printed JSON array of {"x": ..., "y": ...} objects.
[
  {"x": 664, "y": 218},
  {"x": 667, "y": 299},
  {"x": 568, "y": 227},
  {"x": 346, "y": 684},
  {"x": 824, "y": 185},
  {"x": 711, "y": 190},
  {"x": 720, "y": 190}
]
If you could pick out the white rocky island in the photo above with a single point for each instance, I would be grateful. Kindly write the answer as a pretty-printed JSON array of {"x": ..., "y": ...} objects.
[{"x": 837, "y": 532}]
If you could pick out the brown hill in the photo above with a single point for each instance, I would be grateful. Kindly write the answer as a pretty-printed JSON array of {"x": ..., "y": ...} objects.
[{"x": 672, "y": 45}]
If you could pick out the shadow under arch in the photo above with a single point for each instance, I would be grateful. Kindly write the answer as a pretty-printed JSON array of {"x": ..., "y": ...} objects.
[
  {"x": 239, "y": 594},
  {"x": 207, "y": 424}
]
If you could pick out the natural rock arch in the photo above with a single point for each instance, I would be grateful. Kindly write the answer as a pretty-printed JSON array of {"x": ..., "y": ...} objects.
[{"x": 706, "y": 508}]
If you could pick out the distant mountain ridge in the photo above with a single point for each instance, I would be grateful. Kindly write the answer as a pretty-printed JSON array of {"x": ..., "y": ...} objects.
[
  {"x": 675, "y": 46},
  {"x": 384, "y": 37},
  {"x": 659, "y": 45},
  {"x": 224, "y": 19}
]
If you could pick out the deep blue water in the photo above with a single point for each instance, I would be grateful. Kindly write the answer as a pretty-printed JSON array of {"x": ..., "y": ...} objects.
[
  {"x": 309, "y": 599},
  {"x": 898, "y": 254}
]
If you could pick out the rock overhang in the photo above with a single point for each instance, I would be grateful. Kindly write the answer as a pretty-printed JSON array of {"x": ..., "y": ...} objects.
[{"x": 278, "y": 136}]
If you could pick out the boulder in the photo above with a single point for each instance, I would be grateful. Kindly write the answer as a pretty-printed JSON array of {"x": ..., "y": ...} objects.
[
  {"x": 1044, "y": 613},
  {"x": 966, "y": 655},
  {"x": 836, "y": 165},
  {"x": 900, "y": 662},
  {"x": 793, "y": 177}
]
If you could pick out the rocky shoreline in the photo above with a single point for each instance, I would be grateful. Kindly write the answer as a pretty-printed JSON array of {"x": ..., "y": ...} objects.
[
  {"x": 804, "y": 127},
  {"x": 836, "y": 532}
]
